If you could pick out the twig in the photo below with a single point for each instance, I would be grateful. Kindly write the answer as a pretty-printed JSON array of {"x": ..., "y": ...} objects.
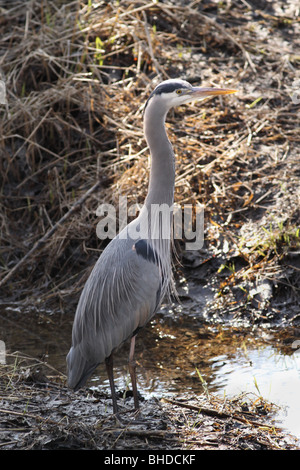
[
  {"x": 219, "y": 414},
  {"x": 50, "y": 232},
  {"x": 147, "y": 434},
  {"x": 200, "y": 409},
  {"x": 23, "y": 414},
  {"x": 156, "y": 64}
]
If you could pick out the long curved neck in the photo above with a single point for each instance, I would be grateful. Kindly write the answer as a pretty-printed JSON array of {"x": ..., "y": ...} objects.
[{"x": 162, "y": 173}]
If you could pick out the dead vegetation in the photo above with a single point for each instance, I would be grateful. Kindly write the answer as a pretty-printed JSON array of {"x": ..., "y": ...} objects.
[
  {"x": 77, "y": 75},
  {"x": 39, "y": 413}
]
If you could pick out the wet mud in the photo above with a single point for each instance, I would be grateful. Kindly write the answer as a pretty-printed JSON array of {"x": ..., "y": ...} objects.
[{"x": 38, "y": 412}]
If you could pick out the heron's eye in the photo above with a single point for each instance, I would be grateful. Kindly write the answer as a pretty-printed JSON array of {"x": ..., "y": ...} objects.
[{"x": 179, "y": 91}]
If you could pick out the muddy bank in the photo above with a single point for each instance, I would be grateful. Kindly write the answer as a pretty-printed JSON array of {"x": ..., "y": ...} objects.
[
  {"x": 180, "y": 379},
  {"x": 38, "y": 412}
]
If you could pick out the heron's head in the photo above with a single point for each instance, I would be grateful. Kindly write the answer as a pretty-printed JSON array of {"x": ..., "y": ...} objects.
[{"x": 176, "y": 92}]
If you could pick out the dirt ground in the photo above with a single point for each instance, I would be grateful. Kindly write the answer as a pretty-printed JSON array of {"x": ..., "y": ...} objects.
[
  {"x": 76, "y": 76},
  {"x": 39, "y": 413}
]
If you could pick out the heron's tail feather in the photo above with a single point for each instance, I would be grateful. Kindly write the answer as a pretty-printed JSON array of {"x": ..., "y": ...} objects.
[{"x": 79, "y": 370}]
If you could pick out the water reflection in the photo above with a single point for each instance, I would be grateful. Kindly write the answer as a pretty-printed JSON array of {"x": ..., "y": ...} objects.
[
  {"x": 269, "y": 373},
  {"x": 171, "y": 351}
]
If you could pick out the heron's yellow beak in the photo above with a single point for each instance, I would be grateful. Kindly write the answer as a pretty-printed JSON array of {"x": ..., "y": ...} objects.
[{"x": 199, "y": 92}]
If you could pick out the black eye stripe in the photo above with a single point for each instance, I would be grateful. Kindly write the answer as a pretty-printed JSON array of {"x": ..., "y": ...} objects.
[{"x": 167, "y": 88}]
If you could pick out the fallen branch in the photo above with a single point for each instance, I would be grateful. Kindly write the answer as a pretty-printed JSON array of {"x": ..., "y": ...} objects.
[{"x": 221, "y": 414}]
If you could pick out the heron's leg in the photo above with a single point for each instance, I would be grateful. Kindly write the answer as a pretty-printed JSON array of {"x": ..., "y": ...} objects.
[
  {"x": 132, "y": 368},
  {"x": 110, "y": 373}
]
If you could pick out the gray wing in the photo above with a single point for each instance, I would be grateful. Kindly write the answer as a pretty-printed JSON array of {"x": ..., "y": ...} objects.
[{"x": 120, "y": 296}]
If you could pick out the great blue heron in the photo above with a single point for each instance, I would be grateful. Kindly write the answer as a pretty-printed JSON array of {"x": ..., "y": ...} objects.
[{"x": 133, "y": 273}]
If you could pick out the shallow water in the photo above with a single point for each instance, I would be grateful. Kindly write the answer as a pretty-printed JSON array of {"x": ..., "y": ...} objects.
[
  {"x": 172, "y": 352},
  {"x": 269, "y": 373}
]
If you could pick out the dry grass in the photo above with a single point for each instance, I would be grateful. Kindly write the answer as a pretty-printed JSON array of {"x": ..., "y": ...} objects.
[{"x": 77, "y": 75}]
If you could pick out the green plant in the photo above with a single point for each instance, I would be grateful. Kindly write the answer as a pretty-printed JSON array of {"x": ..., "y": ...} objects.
[{"x": 203, "y": 383}]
